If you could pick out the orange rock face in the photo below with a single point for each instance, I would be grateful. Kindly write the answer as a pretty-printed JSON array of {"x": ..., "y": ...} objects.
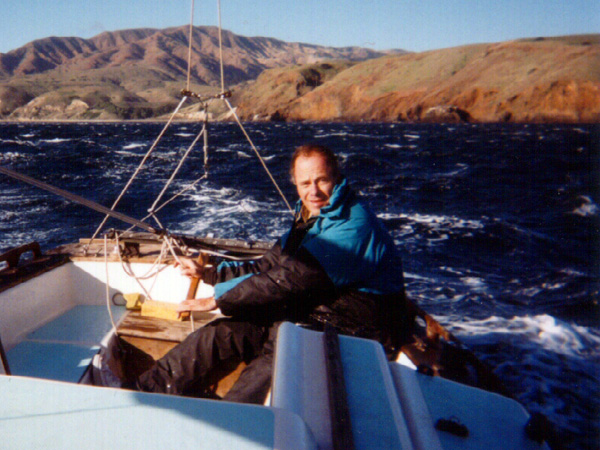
[{"x": 542, "y": 80}]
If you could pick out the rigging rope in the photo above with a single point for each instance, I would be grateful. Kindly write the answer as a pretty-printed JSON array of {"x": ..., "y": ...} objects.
[
  {"x": 138, "y": 168},
  {"x": 181, "y": 161},
  {"x": 237, "y": 119},
  {"x": 153, "y": 210},
  {"x": 110, "y": 314},
  {"x": 223, "y": 95},
  {"x": 203, "y": 133}
]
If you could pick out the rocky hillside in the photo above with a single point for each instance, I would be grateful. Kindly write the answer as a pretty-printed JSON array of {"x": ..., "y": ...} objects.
[
  {"x": 534, "y": 80},
  {"x": 138, "y": 73}
]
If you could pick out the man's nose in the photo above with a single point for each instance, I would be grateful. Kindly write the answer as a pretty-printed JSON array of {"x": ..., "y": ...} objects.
[{"x": 313, "y": 188}]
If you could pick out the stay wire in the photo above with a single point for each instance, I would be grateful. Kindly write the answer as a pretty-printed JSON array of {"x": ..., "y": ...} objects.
[
  {"x": 155, "y": 209},
  {"x": 189, "y": 68},
  {"x": 221, "y": 47},
  {"x": 138, "y": 168},
  {"x": 181, "y": 161},
  {"x": 237, "y": 119}
]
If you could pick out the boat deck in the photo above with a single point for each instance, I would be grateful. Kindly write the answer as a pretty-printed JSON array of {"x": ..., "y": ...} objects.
[
  {"x": 54, "y": 323},
  {"x": 62, "y": 349}
]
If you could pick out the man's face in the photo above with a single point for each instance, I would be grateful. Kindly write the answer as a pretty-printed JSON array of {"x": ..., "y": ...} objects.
[{"x": 314, "y": 182}]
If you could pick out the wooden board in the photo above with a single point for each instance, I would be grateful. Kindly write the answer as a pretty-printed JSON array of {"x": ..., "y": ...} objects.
[
  {"x": 155, "y": 348},
  {"x": 134, "y": 324}
]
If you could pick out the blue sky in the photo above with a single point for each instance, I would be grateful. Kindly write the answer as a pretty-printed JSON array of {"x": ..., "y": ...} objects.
[{"x": 415, "y": 25}]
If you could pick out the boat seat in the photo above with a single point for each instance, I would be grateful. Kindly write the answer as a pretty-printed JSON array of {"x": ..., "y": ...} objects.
[
  {"x": 391, "y": 406},
  {"x": 300, "y": 385},
  {"x": 63, "y": 348}
]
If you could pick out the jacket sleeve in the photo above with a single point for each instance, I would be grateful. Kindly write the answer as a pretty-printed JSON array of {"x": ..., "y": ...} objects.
[
  {"x": 229, "y": 270},
  {"x": 292, "y": 286}
]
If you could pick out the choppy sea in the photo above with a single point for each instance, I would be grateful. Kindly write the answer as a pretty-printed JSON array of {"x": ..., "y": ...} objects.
[{"x": 498, "y": 225}]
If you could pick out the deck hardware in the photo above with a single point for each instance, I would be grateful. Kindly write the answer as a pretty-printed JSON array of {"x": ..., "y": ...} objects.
[
  {"x": 12, "y": 256},
  {"x": 341, "y": 427},
  {"x": 539, "y": 428},
  {"x": 452, "y": 426}
]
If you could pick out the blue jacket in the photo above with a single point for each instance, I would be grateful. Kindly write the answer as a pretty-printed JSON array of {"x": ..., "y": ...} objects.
[
  {"x": 352, "y": 245},
  {"x": 345, "y": 271}
]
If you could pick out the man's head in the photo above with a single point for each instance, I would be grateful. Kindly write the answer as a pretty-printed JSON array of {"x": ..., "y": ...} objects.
[{"x": 315, "y": 172}]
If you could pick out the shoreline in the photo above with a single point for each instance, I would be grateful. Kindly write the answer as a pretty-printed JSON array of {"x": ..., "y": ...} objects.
[{"x": 397, "y": 122}]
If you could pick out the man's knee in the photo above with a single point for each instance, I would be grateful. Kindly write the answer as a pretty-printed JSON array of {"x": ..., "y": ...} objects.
[
  {"x": 242, "y": 339},
  {"x": 254, "y": 382}
]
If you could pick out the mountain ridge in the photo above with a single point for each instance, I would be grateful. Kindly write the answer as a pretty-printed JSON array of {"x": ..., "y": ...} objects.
[
  {"x": 528, "y": 80},
  {"x": 139, "y": 73},
  {"x": 149, "y": 45}
]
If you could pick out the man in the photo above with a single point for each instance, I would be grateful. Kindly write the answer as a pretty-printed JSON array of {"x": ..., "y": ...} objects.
[{"x": 336, "y": 265}]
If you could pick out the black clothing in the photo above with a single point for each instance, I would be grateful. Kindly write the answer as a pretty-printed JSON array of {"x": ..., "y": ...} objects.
[{"x": 250, "y": 334}]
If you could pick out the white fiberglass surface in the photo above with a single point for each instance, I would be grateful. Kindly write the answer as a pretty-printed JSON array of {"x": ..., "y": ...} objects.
[
  {"x": 29, "y": 305},
  {"x": 160, "y": 283}
]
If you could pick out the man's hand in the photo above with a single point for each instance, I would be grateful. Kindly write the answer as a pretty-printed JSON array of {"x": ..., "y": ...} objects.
[
  {"x": 189, "y": 267},
  {"x": 198, "y": 304}
]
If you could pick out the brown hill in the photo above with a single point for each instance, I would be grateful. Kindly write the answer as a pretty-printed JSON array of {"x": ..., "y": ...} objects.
[
  {"x": 552, "y": 79},
  {"x": 137, "y": 73}
]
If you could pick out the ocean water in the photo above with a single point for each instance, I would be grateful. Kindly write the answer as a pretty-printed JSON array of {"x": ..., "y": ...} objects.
[{"x": 498, "y": 225}]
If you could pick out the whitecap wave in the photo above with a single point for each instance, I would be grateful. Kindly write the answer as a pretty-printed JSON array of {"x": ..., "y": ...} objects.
[
  {"x": 550, "y": 365},
  {"x": 435, "y": 221},
  {"x": 55, "y": 140},
  {"x": 11, "y": 156},
  {"x": 541, "y": 331},
  {"x": 133, "y": 145},
  {"x": 475, "y": 284},
  {"x": 16, "y": 142},
  {"x": 587, "y": 207}
]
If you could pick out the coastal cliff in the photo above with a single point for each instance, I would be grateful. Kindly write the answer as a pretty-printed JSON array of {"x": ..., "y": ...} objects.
[{"x": 540, "y": 80}]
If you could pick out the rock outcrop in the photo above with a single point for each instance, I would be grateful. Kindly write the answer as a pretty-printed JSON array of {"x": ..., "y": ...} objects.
[{"x": 542, "y": 80}]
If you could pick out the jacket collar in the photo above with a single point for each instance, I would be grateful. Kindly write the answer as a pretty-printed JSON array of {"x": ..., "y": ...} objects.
[{"x": 338, "y": 198}]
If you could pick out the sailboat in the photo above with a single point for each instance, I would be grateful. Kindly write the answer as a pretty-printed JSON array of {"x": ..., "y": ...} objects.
[{"x": 61, "y": 308}]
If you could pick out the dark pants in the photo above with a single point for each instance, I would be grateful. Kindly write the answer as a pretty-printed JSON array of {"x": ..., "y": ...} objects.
[{"x": 187, "y": 368}]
